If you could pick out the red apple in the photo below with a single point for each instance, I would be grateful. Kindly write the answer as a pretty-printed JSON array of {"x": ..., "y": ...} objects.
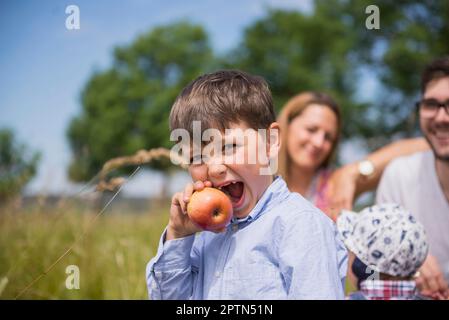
[{"x": 210, "y": 209}]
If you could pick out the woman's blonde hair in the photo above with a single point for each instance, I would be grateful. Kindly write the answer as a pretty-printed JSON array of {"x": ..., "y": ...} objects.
[{"x": 293, "y": 108}]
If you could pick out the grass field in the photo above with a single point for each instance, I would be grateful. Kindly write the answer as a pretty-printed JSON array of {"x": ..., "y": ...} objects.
[{"x": 111, "y": 257}]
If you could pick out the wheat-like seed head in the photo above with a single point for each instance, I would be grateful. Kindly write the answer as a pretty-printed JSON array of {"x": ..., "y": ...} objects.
[{"x": 139, "y": 158}]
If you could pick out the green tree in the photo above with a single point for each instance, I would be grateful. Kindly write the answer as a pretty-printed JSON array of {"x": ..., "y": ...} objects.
[
  {"x": 296, "y": 52},
  {"x": 17, "y": 165},
  {"x": 411, "y": 34},
  {"x": 126, "y": 107},
  {"x": 330, "y": 48}
]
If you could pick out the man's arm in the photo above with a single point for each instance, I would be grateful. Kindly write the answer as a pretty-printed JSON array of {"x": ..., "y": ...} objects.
[
  {"x": 431, "y": 281},
  {"x": 346, "y": 183}
]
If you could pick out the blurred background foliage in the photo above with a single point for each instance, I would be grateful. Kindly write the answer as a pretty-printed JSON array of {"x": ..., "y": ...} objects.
[
  {"x": 125, "y": 108},
  {"x": 17, "y": 165}
]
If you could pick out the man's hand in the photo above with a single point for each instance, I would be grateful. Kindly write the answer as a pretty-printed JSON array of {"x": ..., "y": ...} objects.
[{"x": 430, "y": 281}]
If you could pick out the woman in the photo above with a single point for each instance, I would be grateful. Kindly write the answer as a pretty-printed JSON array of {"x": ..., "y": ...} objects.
[{"x": 310, "y": 128}]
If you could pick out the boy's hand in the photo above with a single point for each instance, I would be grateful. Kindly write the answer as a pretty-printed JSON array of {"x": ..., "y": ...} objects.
[{"x": 180, "y": 225}]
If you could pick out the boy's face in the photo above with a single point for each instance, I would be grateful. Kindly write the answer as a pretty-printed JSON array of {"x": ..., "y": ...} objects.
[{"x": 233, "y": 162}]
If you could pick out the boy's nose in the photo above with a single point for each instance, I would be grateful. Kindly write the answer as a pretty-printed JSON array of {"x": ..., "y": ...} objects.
[{"x": 216, "y": 170}]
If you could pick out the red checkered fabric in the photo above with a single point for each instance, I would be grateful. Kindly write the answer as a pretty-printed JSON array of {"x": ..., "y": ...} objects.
[{"x": 388, "y": 290}]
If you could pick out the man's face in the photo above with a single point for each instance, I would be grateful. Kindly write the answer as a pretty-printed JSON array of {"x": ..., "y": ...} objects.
[
  {"x": 230, "y": 170},
  {"x": 436, "y": 128}
]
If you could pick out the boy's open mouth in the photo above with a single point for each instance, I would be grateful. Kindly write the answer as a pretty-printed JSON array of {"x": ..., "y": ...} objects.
[{"x": 234, "y": 190}]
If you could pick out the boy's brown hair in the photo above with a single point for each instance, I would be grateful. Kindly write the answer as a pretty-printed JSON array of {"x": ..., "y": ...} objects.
[{"x": 220, "y": 98}]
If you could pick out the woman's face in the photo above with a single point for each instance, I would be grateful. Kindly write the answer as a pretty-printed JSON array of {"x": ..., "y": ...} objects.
[{"x": 311, "y": 136}]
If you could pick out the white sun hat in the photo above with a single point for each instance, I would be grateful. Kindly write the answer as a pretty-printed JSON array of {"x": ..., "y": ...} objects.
[{"x": 387, "y": 238}]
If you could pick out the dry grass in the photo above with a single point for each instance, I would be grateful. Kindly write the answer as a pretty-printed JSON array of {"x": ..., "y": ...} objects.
[
  {"x": 110, "y": 249},
  {"x": 111, "y": 257},
  {"x": 141, "y": 157}
]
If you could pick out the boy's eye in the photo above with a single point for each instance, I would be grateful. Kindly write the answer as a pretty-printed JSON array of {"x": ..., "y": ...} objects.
[{"x": 312, "y": 129}]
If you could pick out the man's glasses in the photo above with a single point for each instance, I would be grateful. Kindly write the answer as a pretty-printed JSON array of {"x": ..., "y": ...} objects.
[{"x": 428, "y": 108}]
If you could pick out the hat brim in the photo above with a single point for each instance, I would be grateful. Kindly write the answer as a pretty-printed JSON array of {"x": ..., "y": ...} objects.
[{"x": 345, "y": 226}]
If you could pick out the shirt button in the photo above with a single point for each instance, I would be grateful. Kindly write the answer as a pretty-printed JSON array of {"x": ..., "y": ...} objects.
[
  {"x": 235, "y": 227},
  {"x": 217, "y": 274}
]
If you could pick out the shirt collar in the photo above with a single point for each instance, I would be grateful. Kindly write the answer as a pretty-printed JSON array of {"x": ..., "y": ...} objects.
[
  {"x": 274, "y": 194},
  {"x": 388, "y": 289}
]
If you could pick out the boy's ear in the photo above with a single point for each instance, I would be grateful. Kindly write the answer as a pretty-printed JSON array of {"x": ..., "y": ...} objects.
[
  {"x": 273, "y": 141},
  {"x": 273, "y": 144}
]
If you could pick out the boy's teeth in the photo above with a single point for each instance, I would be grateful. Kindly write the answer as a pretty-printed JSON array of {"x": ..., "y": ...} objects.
[{"x": 227, "y": 184}]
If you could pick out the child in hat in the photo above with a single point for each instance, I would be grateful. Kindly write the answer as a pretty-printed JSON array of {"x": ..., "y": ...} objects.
[{"x": 389, "y": 246}]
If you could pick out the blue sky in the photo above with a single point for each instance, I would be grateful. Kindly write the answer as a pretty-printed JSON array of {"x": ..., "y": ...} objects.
[{"x": 44, "y": 66}]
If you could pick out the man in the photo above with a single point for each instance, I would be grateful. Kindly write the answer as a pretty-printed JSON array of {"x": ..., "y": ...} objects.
[{"x": 420, "y": 182}]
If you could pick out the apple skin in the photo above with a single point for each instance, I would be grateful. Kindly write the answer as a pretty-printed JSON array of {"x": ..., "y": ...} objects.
[{"x": 210, "y": 209}]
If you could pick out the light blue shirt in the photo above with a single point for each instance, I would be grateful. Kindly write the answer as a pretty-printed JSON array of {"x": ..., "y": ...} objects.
[{"x": 284, "y": 249}]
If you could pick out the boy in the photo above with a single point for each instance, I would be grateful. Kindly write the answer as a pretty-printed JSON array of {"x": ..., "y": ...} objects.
[
  {"x": 278, "y": 245},
  {"x": 388, "y": 247}
]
